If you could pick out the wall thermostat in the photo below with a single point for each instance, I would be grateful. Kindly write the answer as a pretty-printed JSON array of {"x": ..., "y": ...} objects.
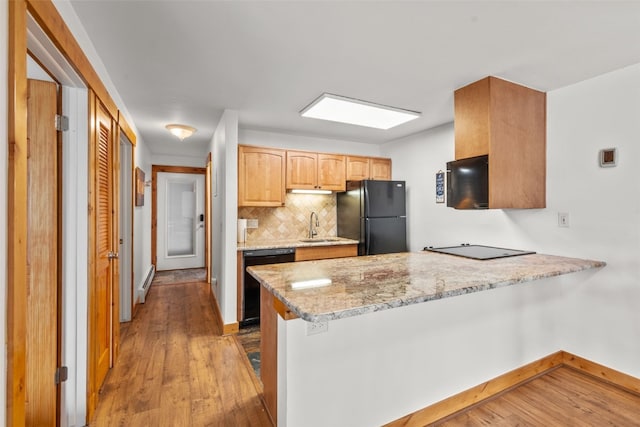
[{"x": 608, "y": 157}]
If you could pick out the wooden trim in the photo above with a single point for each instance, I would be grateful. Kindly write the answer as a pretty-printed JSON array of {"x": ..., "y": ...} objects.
[
  {"x": 269, "y": 353},
  {"x": 124, "y": 127},
  {"x": 514, "y": 378},
  {"x": 224, "y": 329},
  {"x": 154, "y": 199},
  {"x": 47, "y": 16},
  {"x": 283, "y": 310},
  {"x": 617, "y": 378},
  {"x": 469, "y": 397},
  {"x": 230, "y": 328},
  {"x": 92, "y": 394},
  {"x": 17, "y": 213}
]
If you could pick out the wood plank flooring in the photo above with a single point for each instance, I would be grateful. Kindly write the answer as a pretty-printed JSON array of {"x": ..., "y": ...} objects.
[
  {"x": 562, "y": 397},
  {"x": 175, "y": 369}
]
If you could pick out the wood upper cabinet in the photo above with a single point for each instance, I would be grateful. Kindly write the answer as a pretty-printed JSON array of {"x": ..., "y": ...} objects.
[
  {"x": 507, "y": 122},
  {"x": 261, "y": 176},
  {"x": 359, "y": 168},
  {"x": 315, "y": 171},
  {"x": 380, "y": 168}
]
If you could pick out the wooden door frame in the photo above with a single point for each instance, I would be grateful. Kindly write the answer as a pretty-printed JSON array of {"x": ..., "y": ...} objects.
[
  {"x": 154, "y": 202},
  {"x": 46, "y": 15}
]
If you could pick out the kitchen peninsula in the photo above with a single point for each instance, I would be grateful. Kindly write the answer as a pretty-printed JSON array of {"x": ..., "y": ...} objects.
[{"x": 384, "y": 353}]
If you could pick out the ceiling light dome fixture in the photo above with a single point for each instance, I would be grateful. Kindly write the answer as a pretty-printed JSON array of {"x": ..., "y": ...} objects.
[{"x": 181, "y": 131}]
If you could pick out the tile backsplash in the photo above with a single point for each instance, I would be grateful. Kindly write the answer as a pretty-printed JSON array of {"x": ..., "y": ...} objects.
[{"x": 292, "y": 220}]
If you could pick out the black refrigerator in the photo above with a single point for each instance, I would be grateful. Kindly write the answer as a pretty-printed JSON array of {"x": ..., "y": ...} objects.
[{"x": 374, "y": 214}]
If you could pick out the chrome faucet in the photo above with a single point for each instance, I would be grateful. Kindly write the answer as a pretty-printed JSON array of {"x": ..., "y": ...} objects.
[{"x": 312, "y": 231}]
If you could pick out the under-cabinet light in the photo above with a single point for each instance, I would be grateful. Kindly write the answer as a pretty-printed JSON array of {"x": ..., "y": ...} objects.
[
  {"x": 311, "y": 191},
  {"x": 357, "y": 112},
  {"x": 315, "y": 283}
]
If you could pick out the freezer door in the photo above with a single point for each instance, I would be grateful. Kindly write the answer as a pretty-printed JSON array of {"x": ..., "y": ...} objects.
[
  {"x": 385, "y": 235},
  {"x": 384, "y": 199}
]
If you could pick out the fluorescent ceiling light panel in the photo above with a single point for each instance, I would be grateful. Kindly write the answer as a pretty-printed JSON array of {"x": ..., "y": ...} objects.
[{"x": 356, "y": 112}]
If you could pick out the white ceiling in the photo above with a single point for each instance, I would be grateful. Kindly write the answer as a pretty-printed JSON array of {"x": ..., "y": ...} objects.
[{"x": 187, "y": 61}]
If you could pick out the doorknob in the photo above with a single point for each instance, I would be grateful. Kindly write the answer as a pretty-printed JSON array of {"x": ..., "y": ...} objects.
[{"x": 112, "y": 255}]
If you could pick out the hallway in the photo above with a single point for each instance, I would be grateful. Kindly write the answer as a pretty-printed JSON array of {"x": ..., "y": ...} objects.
[{"x": 175, "y": 370}]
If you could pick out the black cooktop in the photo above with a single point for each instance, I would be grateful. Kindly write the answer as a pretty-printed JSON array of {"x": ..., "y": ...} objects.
[{"x": 478, "y": 251}]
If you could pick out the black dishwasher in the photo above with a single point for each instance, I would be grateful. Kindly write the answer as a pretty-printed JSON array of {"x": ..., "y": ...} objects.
[{"x": 251, "y": 287}]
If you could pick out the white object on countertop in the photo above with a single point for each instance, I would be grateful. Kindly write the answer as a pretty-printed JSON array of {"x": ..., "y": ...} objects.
[{"x": 242, "y": 230}]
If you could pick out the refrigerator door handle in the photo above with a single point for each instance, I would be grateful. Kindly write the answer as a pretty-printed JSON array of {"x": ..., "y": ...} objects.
[
  {"x": 366, "y": 199},
  {"x": 368, "y": 236}
]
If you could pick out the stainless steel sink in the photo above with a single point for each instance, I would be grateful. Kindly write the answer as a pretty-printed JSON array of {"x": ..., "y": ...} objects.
[{"x": 319, "y": 240}]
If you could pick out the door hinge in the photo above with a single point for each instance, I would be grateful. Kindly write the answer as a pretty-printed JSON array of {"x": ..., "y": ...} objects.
[
  {"x": 62, "y": 373},
  {"x": 62, "y": 123}
]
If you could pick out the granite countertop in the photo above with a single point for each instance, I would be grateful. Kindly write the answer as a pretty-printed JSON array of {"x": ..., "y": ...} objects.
[
  {"x": 294, "y": 243},
  {"x": 344, "y": 287}
]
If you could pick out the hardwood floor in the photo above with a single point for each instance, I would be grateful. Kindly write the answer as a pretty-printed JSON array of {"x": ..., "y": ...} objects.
[
  {"x": 175, "y": 369},
  {"x": 562, "y": 397}
]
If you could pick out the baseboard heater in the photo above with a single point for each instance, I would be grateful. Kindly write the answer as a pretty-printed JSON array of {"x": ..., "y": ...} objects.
[{"x": 142, "y": 292}]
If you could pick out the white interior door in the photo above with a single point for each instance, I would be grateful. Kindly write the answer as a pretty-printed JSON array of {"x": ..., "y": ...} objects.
[{"x": 180, "y": 222}]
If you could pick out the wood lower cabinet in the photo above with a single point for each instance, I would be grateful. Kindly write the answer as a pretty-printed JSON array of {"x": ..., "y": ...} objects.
[
  {"x": 261, "y": 176},
  {"x": 359, "y": 168},
  {"x": 308, "y": 253},
  {"x": 315, "y": 171}
]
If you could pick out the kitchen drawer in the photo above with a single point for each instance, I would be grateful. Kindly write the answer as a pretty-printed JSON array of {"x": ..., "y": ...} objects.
[{"x": 308, "y": 253}]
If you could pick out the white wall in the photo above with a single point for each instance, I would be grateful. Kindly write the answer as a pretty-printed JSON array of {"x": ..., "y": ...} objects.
[
  {"x": 142, "y": 222},
  {"x": 394, "y": 362},
  {"x": 305, "y": 143},
  {"x": 224, "y": 150},
  {"x": 602, "y": 320},
  {"x": 165, "y": 160},
  {"x": 4, "y": 23}
]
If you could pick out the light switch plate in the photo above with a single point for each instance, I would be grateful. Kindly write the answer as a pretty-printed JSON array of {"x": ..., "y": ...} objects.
[{"x": 252, "y": 223}]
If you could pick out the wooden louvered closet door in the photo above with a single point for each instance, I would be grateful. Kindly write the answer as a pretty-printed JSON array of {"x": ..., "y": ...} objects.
[{"x": 103, "y": 292}]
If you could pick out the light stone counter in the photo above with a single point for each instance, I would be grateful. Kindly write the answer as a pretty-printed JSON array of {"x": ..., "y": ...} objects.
[
  {"x": 294, "y": 243},
  {"x": 339, "y": 288}
]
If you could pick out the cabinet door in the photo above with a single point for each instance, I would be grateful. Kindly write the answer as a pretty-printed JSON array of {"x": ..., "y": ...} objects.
[
  {"x": 302, "y": 172},
  {"x": 261, "y": 176},
  {"x": 471, "y": 124},
  {"x": 380, "y": 168},
  {"x": 357, "y": 168},
  {"x": 331, "y": 172}
]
